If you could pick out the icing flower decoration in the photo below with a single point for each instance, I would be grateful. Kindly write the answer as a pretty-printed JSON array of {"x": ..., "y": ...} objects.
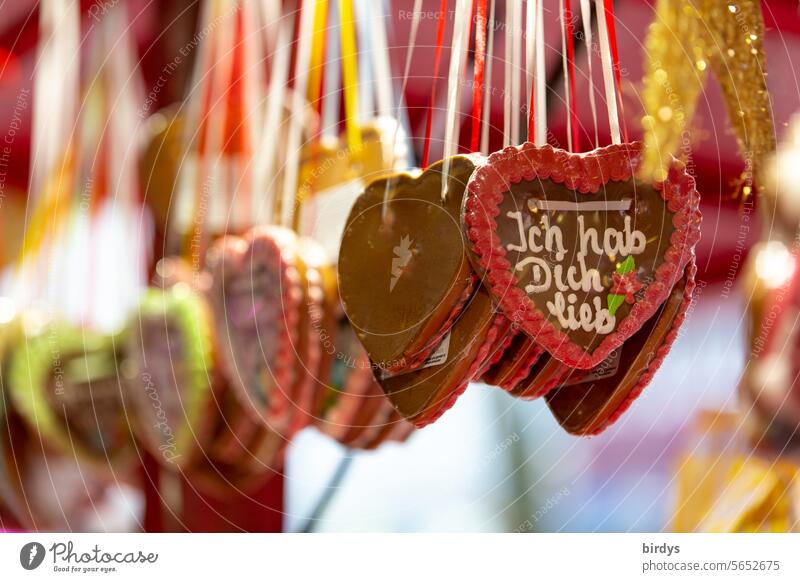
[
  {"x": 627, "y": 285},
  {"x": 624, "y": 285}
]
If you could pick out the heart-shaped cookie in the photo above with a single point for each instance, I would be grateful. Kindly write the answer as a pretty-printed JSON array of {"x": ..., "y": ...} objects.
[
  {"x": 256, "y": 296},
  {"x": 516, "y": 363},
  {"x": 12, "y": 495},
  {"x": 424, "y": 394},
  {"x": 171, "y": 349},
  {"x": 592, "y": 401},
  {"x": 241, "y": 454},
  {"x": 577, "y": 251},
  {"x": 64, "y": 382},
  {"x": 403, "y": 272},
  {"x": 352, "y": 407}
]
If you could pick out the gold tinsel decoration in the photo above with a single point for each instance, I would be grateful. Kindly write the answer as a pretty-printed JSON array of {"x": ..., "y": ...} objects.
[
  {"x": 675, "y": 73},
  {"x": 685, "y": 40}
]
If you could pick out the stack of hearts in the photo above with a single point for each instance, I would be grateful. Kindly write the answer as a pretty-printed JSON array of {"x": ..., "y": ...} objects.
[
  {"x": 229, "y": 363},
  {"x": 541, "y": 272}
]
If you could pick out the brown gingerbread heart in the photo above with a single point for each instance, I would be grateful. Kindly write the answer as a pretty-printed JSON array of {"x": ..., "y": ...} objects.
[
  {"x": 592, "y": 401},
  {"x": 424, "y": 394},
  {"x": 577, "y": 251},
  {"x": 403, "y": 273}
]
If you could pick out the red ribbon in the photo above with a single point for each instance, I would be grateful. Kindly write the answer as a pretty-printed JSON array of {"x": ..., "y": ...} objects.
[
  {"x": 478, "y": 74},
  {"x": 612, "y": 41},
  {"x": 437, "y": 59},
  {"x": 569, "y": 34}
]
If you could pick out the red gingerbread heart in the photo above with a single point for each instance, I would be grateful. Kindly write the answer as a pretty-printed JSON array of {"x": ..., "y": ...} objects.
[{"x": 576, "y": 250}]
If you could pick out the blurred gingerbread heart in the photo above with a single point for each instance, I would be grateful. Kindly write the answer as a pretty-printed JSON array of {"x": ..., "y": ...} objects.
[
  {"x": 172, "y": 377},
  {"x": 65, "y": 384},
  {"x": 578, "y": 252},
  {"x": 256, "y": 295}
]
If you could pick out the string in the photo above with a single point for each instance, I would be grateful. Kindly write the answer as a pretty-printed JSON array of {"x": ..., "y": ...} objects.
[
  {"x": 350, "y": 75},
  {"x": 296, "y": 113},
  {"x": 586, "y": 17},
  {"x": 317, "y": 64},
  {"x": 530, "y": 65},
  {"x": 608, "y": 74},
  {"x": 329, "y": 124},
  {"x": 567, "y": 38},
  {"x": 457, "y": 61},
  {"x": 612, "y": 36},
  {"x": 380, "y": 60},
  {"x": 516, "y": 88},
  {"x": 478, "y": 73},
  {"x": 366, "y": 51},
  {"x": 541, "y": 80},
  {"x": 507, "y": 77},
  {"x": 487, "y": 99},
  {"x": 412, "y": 39},
  {"x": 426, "y": 149},
  {"x": 276, "y": 94}
]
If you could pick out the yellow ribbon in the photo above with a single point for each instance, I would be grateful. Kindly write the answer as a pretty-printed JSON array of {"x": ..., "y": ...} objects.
[
  {"x": 350, "y": 75},
  {"x": 316, "y": 67}
]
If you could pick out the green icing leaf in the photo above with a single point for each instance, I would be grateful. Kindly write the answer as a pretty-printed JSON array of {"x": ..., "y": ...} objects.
[
  {"x": 626, "y": 266},
  {"x": 614, "y": 302}
]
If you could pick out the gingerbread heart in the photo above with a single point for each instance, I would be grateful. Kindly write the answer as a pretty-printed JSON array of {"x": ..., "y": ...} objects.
[
  {"x": 352, "y": 407},
  {"x": 424, "y": 394},
  {"x": 64, "y": 382},
  {"x": 256, "y": 296},
  {"x": 577, "y": 251},
  {"x": 12, "y": 495},
  {"x": 590, "y": 402},
  {"x": 241, "y": 454},
  {"x": 403, "y": 272},
  {"x": 171, "y": 349},
  {"x": 516, "y": 363}
]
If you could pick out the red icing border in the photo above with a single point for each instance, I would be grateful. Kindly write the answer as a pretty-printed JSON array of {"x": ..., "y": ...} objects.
[
  {"x": 524, "y": 369},
  {"x": 579, "y": 172},
  {"x": 496, "y": 327},
  {"x": 234, "y": 252}
]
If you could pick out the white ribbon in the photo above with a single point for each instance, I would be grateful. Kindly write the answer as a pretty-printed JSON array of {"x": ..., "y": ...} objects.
[
  {"x": 565, "y": 69},
  {"x": 297, "y": 113},
  {"x": 608, "y": 73},
  {"x": 487, "y": 95},
  {"x": 457, "y": 60},
  {"x": 267, "y": 154},
  {"x": 541, "y": 81},
  {"x": 586, "y": 17}
]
